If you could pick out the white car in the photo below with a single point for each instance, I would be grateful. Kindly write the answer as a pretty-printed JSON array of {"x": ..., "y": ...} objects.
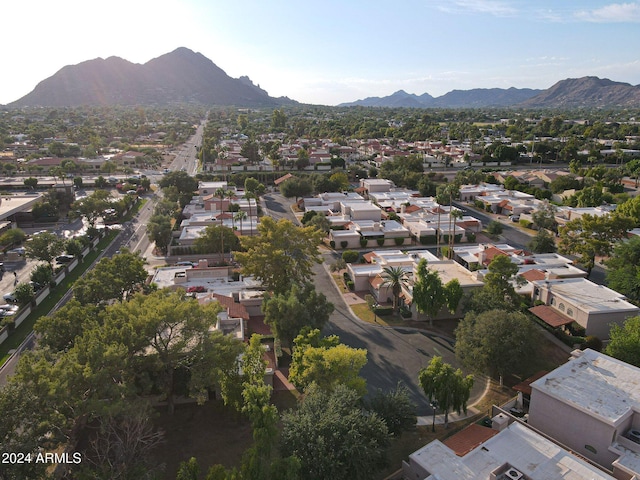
[{"x": 10, "y": 297}]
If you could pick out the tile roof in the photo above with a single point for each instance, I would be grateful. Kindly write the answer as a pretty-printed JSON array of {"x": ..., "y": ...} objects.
[
  {"x": 550, "y": 316},
  {"x": 235, "y": 310},
  {"x": 532, "y": 275},
  {"x": 469, "y": 438}
]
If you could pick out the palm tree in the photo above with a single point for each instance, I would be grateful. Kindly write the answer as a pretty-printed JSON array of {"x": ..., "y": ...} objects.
[
  {"x": 222, "y": 193},
  {"x": 240, "y": 216},
  {"x": 396, "y": 278}
]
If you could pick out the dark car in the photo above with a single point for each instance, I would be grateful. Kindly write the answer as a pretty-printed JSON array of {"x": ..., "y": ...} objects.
[{"x": 65, "y": 258}]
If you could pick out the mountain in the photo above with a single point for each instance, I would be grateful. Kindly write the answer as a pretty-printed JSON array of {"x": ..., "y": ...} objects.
[
  {"x": 585, "y": 92},
  {"x": 478, "y": 97},
  {"x": 484, "y": 97},
  {"x": 181, "y": 76},
  {"x": 397, "y": 99},
  {"x": 591, "y": 92}
]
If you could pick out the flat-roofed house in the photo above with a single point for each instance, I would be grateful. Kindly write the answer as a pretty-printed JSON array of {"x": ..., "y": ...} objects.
[
  {"x": 591, "y": 404},
  {"x": 515, "y": 452},
  {"x": 594, "y": 307}
]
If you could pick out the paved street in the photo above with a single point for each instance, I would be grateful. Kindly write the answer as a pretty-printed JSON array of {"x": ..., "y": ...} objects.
[{"x": 395, "y": 354}]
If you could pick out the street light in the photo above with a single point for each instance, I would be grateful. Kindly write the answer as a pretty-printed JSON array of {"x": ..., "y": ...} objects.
[{"x": 434, "y": 406}]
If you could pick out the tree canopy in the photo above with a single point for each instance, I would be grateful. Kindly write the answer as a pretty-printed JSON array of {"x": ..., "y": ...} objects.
[
  {"x": 281, "y": 255},
  {"x": 288, "y": 313},
  {"x": 333, "y": 437},
  {"x": 448, "y": 387},
  {"x": 592, "y": 236},
  {"x": 496, "y": 342},
  {"x": 326, "y": 362},
  {"x": 624, "y": 342}
]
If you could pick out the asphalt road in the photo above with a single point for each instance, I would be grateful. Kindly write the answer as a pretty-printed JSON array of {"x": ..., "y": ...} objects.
[{"x": 394, "y": 354}]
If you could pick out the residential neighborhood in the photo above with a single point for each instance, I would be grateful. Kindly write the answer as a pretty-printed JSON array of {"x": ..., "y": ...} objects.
[{"x": 469, "y": 310}]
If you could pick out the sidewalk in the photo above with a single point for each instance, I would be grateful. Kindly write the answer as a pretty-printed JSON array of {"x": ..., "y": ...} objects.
[{"x": 472, "y": 411}]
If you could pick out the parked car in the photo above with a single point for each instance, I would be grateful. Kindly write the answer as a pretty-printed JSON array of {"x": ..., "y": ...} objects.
[
  {"x": 8, "y": 310},
  {"x": 196, "y": 289},
  {"x": 65, "y": 258},
  {"x": 10, "y": 297},
  {"x": 19, "y": 251},
  {"x": 515, "y": 218},
  {"x": 185, "y": 264}
]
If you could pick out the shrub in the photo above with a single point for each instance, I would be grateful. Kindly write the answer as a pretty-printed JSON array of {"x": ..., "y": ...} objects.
[
  {"x": 383, "y": 311},
  {"x": 363, "y": 242},
  {"x": 494, "y": 228},
  {"x": 399, "y": 240},
  {"x": 380, "y": 241},
  {"x": 339, "y": 264},
  {"x": 350, "y": 256},
  {"x": 592, "y": 342},
  {"x": 344, "y": 244},
  {"x": 332, "y": 243},
  {"x": 471, "y": 237},
  {"x": 350, "y": 285},
  {"x": 428, "y": 240},
  {"x": 525, "y": 223}
]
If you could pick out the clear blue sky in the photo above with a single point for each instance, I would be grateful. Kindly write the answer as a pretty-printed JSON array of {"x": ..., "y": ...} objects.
[{"x": 328, "y": 52}]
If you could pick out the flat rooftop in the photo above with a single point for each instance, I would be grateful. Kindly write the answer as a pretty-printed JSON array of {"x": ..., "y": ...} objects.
[
  {"x": 10, "y": 205},
  {"x": 595, "y": 383},
  {"x": 517, "y": 445},
  {"x": 588, "y": 296}
]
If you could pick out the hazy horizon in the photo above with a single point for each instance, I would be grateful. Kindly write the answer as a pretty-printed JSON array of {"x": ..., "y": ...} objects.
[{"x": 335, "y": 52}]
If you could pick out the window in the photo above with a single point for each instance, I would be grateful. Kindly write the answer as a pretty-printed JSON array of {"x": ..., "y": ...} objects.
[
  {"x": 570, "y": 312},
  {"x": 561, "y": 307}
]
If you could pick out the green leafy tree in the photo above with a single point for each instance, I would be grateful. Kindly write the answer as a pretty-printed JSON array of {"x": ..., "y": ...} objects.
[
  {"x": 429, "y": 294},
  {"x": 31, "y": 182},
  {"x": 543, "y": 242},
  {"x": 624, "y": 343},
  {"x": 59, "y": 330},
  {"x": 395, "y": 408},
  {"x": 217, "y": 239},
  {"x": 42, "y": 274},
  {"x": 448, "y": 387},
  {"x": 114, "y": 278},
  {"x": 296, "y": 187},
  {"x": 281, "y": 255},
  {"x": 44, "y": 247},
  {"x": 182, "y": 181},
  {"x": 178, "y": 334},
  {"x": 93, "y": 206},
  {"x": 333, "y": 437},
  {"x": 288, "y": 313},
  {"x": 591, "y": 236},
  {"x": 13, "y": 236},
  {"x": 496, "y": 342},
  {"x": 24, "y": 293},
  {"x": 327, "y": 363},
  {"x": 545, "y": 217},
  {"x": 160, "y": 232},
  {"x": 623, "y": 269}
]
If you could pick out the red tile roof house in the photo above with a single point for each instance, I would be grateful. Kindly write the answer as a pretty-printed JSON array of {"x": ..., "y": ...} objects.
[{"x": 47, "y": 163}]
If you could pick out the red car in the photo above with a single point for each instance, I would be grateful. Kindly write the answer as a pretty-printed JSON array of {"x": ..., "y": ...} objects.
[{"x": 196, "y": 289}]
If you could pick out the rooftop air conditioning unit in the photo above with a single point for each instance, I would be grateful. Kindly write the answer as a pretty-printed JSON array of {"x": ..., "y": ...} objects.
[
  {"x": 513, "y": 474},
  {"x": 634, "y": 435}
]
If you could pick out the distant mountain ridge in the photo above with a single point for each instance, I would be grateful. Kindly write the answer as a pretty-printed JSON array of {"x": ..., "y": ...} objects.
[
  {"x": 585, "y": 92},
  {"x": 181, "y": 76}
]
